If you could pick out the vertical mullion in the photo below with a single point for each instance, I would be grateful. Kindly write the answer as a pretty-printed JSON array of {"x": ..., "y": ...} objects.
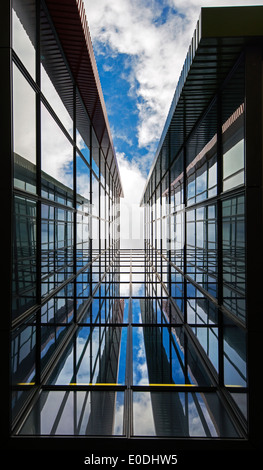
[
  {"x": 75, "y": 200},
  {"x": 184, "y": 267},
  {"x": 220, "y": 241},
  {"x": 38, "y": 188}
]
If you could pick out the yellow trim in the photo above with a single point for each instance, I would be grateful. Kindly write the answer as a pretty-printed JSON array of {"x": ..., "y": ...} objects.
[
  {"x": 229, "y": 385},
  {"x": 172, "y": 385},
  {"x": 26, "y": 383},
  {"x": 79, "y": 383}
]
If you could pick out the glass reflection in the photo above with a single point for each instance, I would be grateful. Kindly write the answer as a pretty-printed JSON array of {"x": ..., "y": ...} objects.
[
  {"x": 233, "y": 226},
  {"x": 24, "y": 255},
  {"x": 56, "y": 160},
  {"x": 83, "y": 185},
  {"x": 163, "y": 355},
  {"x": 23, "y": 353},
  {"x": 76, "y": 413},
  {"x": 235, "y": 360},
  {"x": 201, "y": 167},
  {"x": 92, "y": 357},
  {"x": 24, "y": 116},
  {"x": 56, "y": 247},
  {"x": 233, "y": 133},
  {"x": 181, "y": 415},
  {"x": 24, "y": 27}
]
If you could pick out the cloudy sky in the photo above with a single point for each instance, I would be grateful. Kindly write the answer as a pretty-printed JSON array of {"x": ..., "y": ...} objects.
[{"x": 140, "y": 47}]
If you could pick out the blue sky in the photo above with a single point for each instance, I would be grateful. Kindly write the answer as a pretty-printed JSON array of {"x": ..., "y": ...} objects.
[{"x": 140, "y": 47}]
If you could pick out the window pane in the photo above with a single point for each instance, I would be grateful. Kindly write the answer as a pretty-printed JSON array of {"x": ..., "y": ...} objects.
[
  {"x": 24, "y": 252},
  {"x": 24, "y": 109},
  {"x": 76, "y": 413},
  {"x": 83, "y": 185},
  {"x": 233, "y": 130},
  {"x": 235, "y": 369},
  {"x": 233, "y": 227},
  {"x": 56, "y": 84},
  {"x": 56, "y": 160},
  {"x": 181, "y": 415},
  {"x": 24, "y": 24}
]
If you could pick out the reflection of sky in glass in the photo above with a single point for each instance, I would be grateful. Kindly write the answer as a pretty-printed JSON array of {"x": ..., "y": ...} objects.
[
  {"x": 122, "y": 357},
  {"x": 74, "y": 413},
  {"x": 140, "y": 367},
  {"x": 136, "y": 311},
  {"x": 149, "y": 408}
]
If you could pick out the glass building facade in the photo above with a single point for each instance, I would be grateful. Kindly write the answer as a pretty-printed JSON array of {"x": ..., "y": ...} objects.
[
  {"x": 124, "y": 347},
  {"x": 199, "y": 211}
]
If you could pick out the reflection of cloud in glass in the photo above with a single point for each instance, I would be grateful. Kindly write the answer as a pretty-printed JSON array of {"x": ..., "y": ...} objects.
[
  {"x": 142, "y": 414},
  {"x": 53, "y": 97},
  {"x": 23, "y": 45},
  {"x": 198, "y": 411},
  {"x": 140, "y": 367},
  {"x": 56, "y": 151}
]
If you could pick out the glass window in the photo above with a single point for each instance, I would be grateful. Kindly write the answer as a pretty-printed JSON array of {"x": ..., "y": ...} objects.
[
  {"x": 158, "y": 358},
  {"x": 176, "y": 188},
  {"x": 180, "y": 414},
  {"x": 83, "y": 185},
  {"x": 201, "y": 159},
  {"x": 56, "y": 161},
  {"x": 24, "y": 27},
  {"x": 56, "y": 247},
  {"x": 56, "y": 84},
  {"x": 95, "y": 196},
  {"x": 76, "y": 413},
  {"x": 24, "y": 255},
  {"x": 233, "y": 162},
  {"x": 233, "y": 130},
  {"x": 235, "y": 363},
  {"x": 95, "y": 154},
  {"x": 83, "y": 128},
  {"x": 233, "y": 226},
  {"x": 24, "y": 118},
  {"x": 23, "y": 354},
  {"x": 92, "y": 357},
  {"x": 51, "y": 94}
]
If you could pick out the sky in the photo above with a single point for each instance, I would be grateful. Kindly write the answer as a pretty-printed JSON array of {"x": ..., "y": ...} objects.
[{"x": 140, "y": 47}]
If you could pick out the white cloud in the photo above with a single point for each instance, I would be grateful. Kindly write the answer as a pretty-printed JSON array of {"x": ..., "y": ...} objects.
[
  {"x": 157, "y": 48},
  {"x": 155, "y": 37},
  {"x": 131, "y": 221},
  {"x": 157, "y": 51}
]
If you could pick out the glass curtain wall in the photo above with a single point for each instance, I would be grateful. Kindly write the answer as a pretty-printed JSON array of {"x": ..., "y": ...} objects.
[
  {"x": 195, "y": 238},
  {"x": 130, "y": 369},
  {"x": 60, "y": 217}
]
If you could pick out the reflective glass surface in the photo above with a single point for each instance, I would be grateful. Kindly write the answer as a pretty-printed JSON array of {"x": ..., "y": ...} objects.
[
  {"x": 24, "y": 255},
  {"x": 164, "y": 414},
  {"x": 24, "y": 116},
  {"x": 57, "y": 161},
  {"x": 137, "y": 344},
  {"x": 123, "y": 342},
  {"x": 76, "y": 413},
  {"x": 24, "y": 33}
]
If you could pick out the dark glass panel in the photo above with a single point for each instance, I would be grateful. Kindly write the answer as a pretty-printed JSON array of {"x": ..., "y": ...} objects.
[
  {"x": 233, "y": 226},
  {"x": 24, "y": 255}
]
